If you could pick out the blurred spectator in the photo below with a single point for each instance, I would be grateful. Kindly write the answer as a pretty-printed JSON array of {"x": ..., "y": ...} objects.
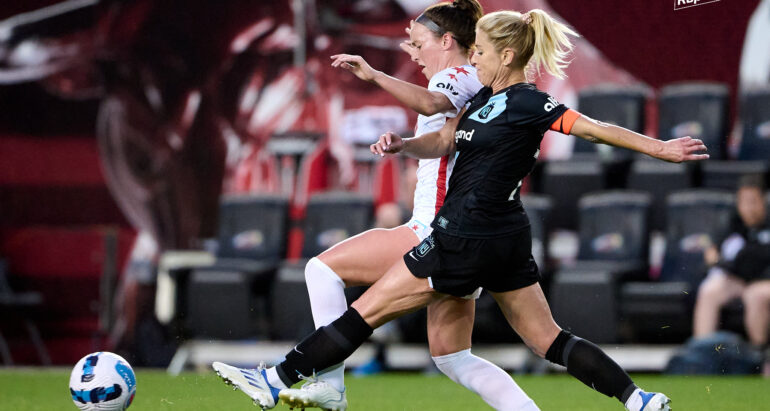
[
  {"x": 388, "y": 215},
  {"x": 755, "y": 58},
  {"x": 740, "y": 268}
]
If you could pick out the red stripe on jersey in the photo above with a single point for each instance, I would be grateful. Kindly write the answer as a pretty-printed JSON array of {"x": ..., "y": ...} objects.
[{"x": 441, "y": 182}]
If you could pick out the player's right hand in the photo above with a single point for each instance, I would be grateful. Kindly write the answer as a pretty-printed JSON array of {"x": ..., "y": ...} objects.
[
  {"x": 389, "y": 142},
  {"x": 354, "y": 64}
]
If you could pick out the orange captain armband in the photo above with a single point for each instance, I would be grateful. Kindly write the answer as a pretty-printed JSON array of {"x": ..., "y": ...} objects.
[{"x": 564, "y": 123}]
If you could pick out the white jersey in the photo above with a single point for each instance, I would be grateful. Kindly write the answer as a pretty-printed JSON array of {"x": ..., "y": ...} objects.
[{"x": 459, "y": 84}]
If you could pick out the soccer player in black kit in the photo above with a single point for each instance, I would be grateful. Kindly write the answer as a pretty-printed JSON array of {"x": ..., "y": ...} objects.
[{"x": 481, "y": 234}]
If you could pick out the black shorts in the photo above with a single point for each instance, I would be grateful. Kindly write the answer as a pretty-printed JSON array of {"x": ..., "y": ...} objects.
[{"x": 458, "y": 266}]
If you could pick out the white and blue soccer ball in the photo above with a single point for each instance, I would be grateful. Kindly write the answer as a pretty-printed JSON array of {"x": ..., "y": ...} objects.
[{"x": 102, "y": 381}]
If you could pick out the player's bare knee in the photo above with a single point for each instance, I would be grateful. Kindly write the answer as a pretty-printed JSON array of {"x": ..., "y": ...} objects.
[
  {"x": 440, "y": 345},
  {"x": 439, "y": 349},
  {"x": 330, "y": 259},
  {"x": 752, "y": 296},
  {"x": 710, "y": 288}
]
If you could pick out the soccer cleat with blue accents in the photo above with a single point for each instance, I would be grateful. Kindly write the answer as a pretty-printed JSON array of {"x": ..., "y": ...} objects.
[
  {"x": 315, "y": 393},
  {"x": 253, "y": 382},
  {"x": 654, "y": 401}
]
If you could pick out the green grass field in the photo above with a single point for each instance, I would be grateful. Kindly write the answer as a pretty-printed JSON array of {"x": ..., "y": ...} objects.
[{"x": 46, "y": 390}]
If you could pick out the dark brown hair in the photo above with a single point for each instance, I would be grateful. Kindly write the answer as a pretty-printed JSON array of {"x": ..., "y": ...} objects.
[{"x": 458, "y": 17}]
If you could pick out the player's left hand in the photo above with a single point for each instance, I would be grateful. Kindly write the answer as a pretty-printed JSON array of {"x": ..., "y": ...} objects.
[
  {"x": 682, "y": 149},
  {"x": 407, "y": 45},
  {"x": 409, "y": 49}
]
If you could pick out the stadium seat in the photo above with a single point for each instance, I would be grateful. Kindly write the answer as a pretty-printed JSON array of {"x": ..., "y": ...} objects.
[
  {"x": 565, "y": 182},
  {"x": 724, "y": 175},
  {"x": 584, "y": 301},
  {"x": 699, "y": 110},
  {"x": 290, "y": 315},
  {"x": 620, "y": 105},
  {"x": 613, "y": 247},
  {"x": 332, "y": 217},
  {"x": 658, "y": 179},
  {"x": 695, "y": 218},
  {"x": 252, "y": 227},
  {"x": 228, "y": 299},
  {"x": 755, "y": 125},
  {"x": 614, "y": 226},
  {"x": 661, "y": 311},
  {"x": 656, "y": 312}
]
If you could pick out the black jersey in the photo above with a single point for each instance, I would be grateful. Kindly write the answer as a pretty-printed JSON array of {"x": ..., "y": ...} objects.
[{"x": 498, "y": 140}]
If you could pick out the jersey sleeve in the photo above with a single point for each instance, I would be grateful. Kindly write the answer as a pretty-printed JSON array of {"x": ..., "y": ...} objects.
[
  {"x": 536, "y": 109},
  {"x": 459, "y": 84}
]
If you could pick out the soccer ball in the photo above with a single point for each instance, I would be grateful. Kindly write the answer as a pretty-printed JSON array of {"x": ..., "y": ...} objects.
[{"x": 102, "y": 381}]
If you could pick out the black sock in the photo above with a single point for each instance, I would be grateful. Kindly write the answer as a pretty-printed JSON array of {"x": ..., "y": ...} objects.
[
  {"x": 325, "y": 347},
  {"x": 589, "y": 364}
]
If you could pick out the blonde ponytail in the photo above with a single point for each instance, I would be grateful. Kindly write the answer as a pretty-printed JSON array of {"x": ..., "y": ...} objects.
[
  {"x": 552, "y": 46},
  {"x": 538, "y": 40}
]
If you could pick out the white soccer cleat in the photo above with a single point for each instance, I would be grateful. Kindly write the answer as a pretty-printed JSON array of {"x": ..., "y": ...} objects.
[
  {"x": 253, "y": 382},
  {"x": 315, "y": 393},
  {"x": 654, "y": 401}
]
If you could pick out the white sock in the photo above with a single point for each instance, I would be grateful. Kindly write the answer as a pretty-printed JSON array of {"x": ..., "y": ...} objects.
[
  {"x": 634, "y": 402},
  {"x": 327, "y": 302},
  {"x": 494, "y": 385},
  {"x": 273, "y": 378}
]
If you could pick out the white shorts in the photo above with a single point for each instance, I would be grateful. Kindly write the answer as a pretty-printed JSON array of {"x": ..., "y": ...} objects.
[
  {"x": 419, "y": 227},
  {"x": 423, "y": 230}
]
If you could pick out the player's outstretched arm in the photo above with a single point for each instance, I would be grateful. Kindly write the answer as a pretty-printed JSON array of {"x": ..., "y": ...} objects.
[
  {"x": 675, "y": 151},
  {"x": 430, "y": 145},
  {"x": 417, "y": 98}
]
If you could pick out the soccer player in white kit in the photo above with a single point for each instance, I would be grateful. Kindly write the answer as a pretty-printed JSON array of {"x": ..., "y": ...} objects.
[{"x": 440, "y": 39}]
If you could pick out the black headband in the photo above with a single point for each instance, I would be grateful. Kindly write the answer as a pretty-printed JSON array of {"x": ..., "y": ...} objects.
[{"x": 432, "y": 26}]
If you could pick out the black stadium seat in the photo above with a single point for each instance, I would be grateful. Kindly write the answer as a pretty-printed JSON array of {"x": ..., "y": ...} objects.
[
  {"x": 755, "y": 125},
  {"x": 660, "y": 311},
  {"x": 229, "y": 298},
  {"x": 698, "y": 110},
  {"x": 658, "y": 178},
  {"x": 565, "y": 182},
  {"x": 253, "y": 227},
  {"x": 290, "y": 315},
  {"x": 614, "y": 226},
  {"x": 695, "y": 218},
  {"x": 724, "y": 175},
  {"x": 614, "y": 244},
  {"x": 620, "y": 105},
  {"x": 334, "y": 216}
]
